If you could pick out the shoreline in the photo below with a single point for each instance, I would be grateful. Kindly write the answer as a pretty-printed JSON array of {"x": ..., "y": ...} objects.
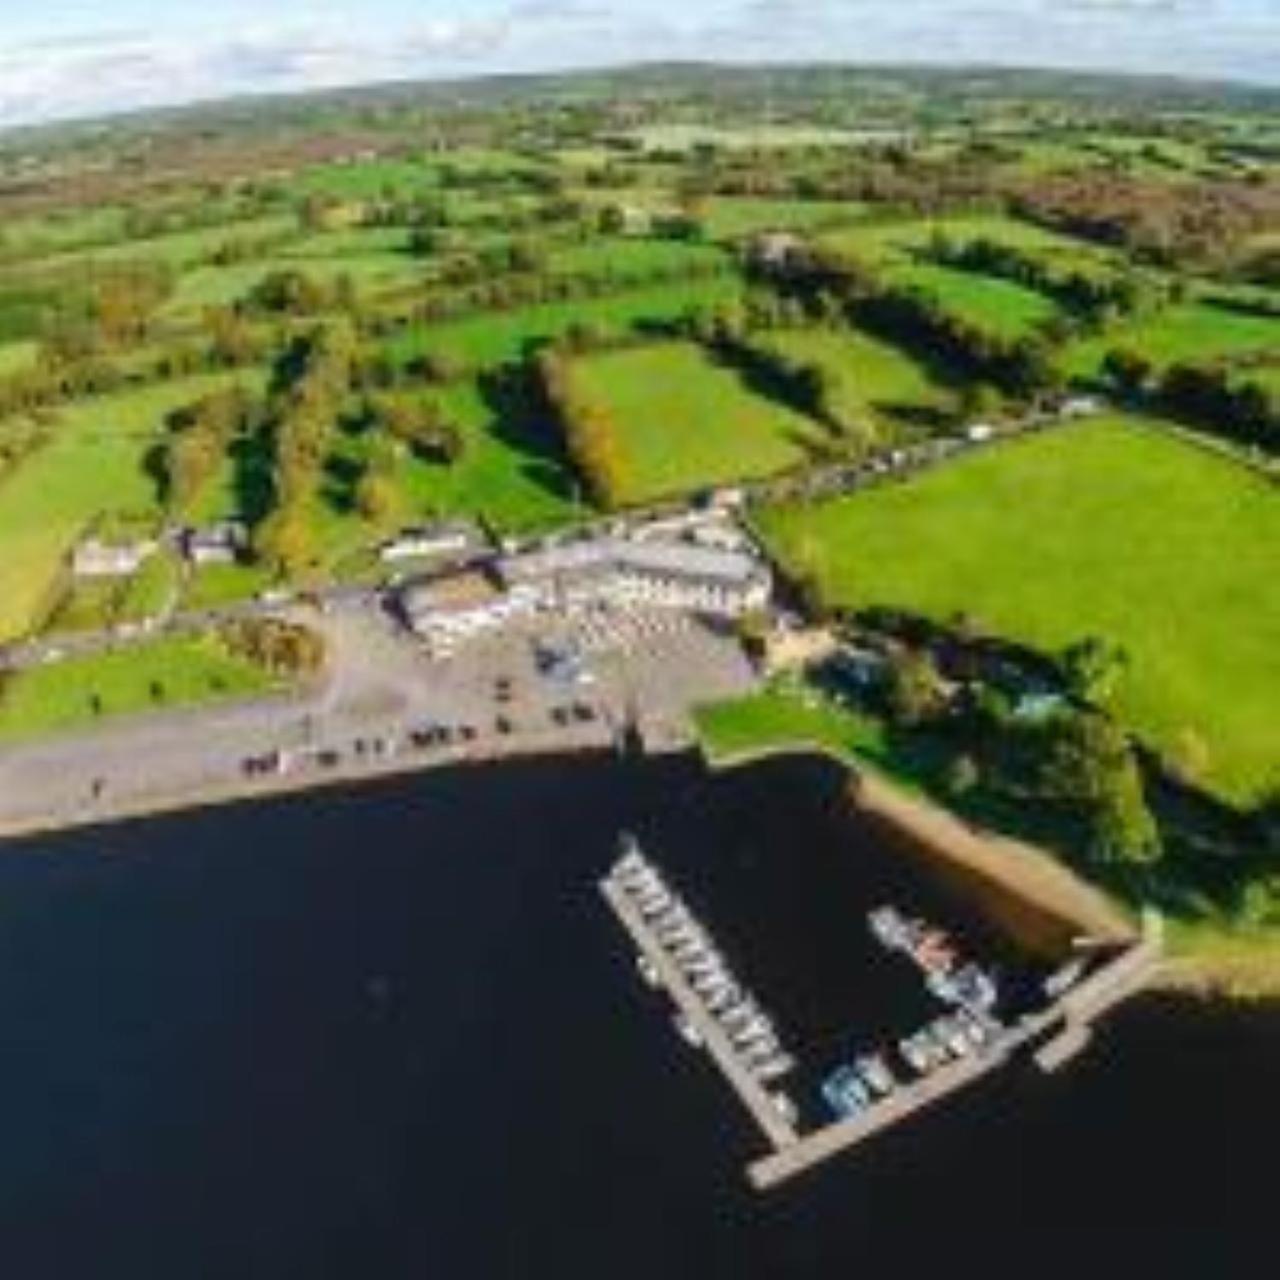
[
  {"x": 1026, "y": 890},
  {"x": 214, "y": 796},
  {"x": 1023, "y": 889}
]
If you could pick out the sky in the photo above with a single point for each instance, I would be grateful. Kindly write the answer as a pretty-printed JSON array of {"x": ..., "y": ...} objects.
[{"x": 61, "y": 58}]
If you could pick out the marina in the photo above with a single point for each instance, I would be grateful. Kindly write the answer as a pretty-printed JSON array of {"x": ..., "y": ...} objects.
[{"x": 875, "y": 1088}]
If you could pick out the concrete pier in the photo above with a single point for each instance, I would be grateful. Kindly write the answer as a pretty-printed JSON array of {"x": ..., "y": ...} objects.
[{"x": 755, "y": 1097}]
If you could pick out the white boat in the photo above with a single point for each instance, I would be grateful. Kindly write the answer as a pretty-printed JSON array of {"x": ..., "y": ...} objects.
[
  {"x": 753, "y": 1030},
  {"x": 705, "y": 983},
  {"x": 654, "y": 902},
  {"x": 759, "y": 1049},
  {"x": 688, "y": 1031},
  {"x": 740, "y": 1014},
  {"x": 648, "y": 971},
  {"x": 784, "y": 1107},
  {"x": 724, "y": 998},
  {"x": 773, "y": 1068}
]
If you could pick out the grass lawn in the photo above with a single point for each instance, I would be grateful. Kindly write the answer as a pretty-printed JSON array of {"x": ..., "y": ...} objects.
[
  {"x": 96, "y": 462},
  {"x": 625, "y": 256},
  {"x": 728, "y": 217},
  {"x": 1109, "y": 528},
  {"x": 685, "y": 422},
  {"x": 893, "y": 382},
  {"x": 782, "y": 717},
  {"x": 159, "y": 674},
  {"x": 17, "y": 355},
  {"x": 1195, "y": 331},
  {"x": 889, "y": 241},
  {"x": 496, "y": 338},
  {"x": 221, "y": 286},
  {"x": 999, "y": 307}
]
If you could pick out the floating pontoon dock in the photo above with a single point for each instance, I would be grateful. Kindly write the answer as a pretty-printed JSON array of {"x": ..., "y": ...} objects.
[{"x": 1067, "y": 1023}]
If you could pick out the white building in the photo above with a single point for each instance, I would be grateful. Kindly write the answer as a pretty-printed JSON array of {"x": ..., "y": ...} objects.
[
  {"x": 451, "y": 541},
  {"x": 609, "y": 571},
  {"x": 97, "y": 559},
  {"x": 221, "y": 543}
]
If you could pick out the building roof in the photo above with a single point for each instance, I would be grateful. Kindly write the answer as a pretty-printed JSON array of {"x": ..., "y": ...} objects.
[
  {"x": 662, "y": 559},
  {"x": 457, "y": 593}
]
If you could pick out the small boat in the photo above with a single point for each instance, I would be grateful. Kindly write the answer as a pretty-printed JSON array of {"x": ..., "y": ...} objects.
[
  {"x": 740, "y": 1014},
  {"x": 773, "y": 1068},
  {"x": 688, "y": 1032},
  {"x": 648, "y": 971},
  {"x": 724, "y": 997},
  {"x": 784, "y": 1107},
  {"x": 760, "y": 1050},
  {"x": 915, "y": 1055},
  {"x": 888, "y": 926},
  {"x": 955, "y": 1040},
  {"x": 875, "y": 1071},
  {"x": 845, "y": 1093}
]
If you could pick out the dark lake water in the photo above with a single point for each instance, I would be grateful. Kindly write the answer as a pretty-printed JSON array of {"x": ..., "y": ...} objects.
[{"x": 394, "y": 1032}]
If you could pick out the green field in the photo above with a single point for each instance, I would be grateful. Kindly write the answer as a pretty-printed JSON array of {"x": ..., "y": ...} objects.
[
  {"x": 496, "y": 338},
  {"x": 96, "y": 462},
  {"x": 684, "y": 422},
  {"x": 894, "y": 383},
  {"x": 156, "y": 675},
  {"x": 1000, "y": 307},
  {"x": 888, "y": 241},
  {"x": 1197, "y": 331},
  {"x": 624, "y": 256},
  {"x": 727, "y": 217},
  {"x": 1110, "y": 528}
]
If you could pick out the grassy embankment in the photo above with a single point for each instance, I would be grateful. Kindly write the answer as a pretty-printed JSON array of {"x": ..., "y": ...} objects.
[{"x": 156, "y": 675}]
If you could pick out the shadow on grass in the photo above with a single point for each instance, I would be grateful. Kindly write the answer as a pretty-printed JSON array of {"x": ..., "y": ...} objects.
[{"x": 521, "y": 422}]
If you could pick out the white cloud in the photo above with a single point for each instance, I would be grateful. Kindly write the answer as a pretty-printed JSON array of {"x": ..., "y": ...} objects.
[{"x": 89, "y": 73}]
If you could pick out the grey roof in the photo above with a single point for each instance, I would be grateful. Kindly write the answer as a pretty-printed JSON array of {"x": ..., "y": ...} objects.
[{"x": 664, "y": 559}]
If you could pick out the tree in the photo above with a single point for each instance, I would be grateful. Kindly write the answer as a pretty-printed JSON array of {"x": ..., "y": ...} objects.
[
  {"x": 1091, "y": 769},
  {"x": 378, "y": 498},
  {"x": 914, "y": 691},
  {"x": 1094, "y": 670},
  {"x": 284, "y": 541},
  {"x": 1128, "y": 371}
]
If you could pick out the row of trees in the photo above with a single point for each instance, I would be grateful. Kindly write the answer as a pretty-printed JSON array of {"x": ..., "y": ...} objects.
[
  {"x": 1098, "y": 297},
  {"x": 1077, "y": 761},
  {"x": 590, "y": 437},
  {"x": 200, "y": 436},
  {"x": 312, "y": 384},
  {"x": 1218, "y": 397}
]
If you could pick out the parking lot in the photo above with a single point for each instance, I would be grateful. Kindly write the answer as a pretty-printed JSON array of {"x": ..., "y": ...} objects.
[{"x": 547, "y": 684}]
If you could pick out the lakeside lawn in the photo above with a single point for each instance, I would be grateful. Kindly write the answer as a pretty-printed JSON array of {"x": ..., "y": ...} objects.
[
  {"x": 684, "y": 422},
  {"x": 780, "y": 718},
  {"x": 1107, "y": 528},
  {"x": 156, "y": 675}
]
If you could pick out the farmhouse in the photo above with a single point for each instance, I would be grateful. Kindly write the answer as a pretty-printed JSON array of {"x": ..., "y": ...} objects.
[
  {"x": 95, "y": 558},
  {"x": 221, "y": 543}
]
